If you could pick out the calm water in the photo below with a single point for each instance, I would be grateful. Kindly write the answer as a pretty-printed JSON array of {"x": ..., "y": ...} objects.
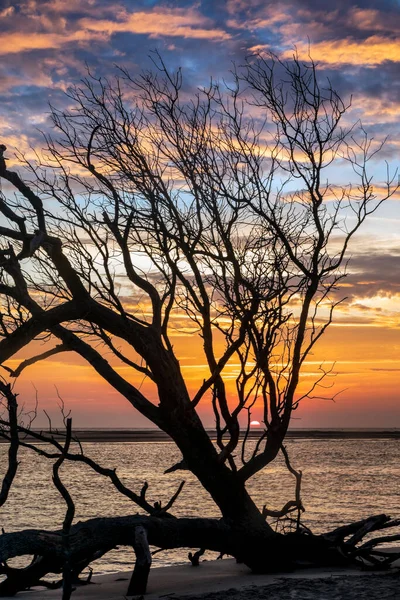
[{"x": 343, "y": 480}]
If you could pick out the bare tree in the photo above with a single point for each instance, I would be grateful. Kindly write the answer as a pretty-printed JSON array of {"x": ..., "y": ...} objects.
[{"x": 218, "y": 209}]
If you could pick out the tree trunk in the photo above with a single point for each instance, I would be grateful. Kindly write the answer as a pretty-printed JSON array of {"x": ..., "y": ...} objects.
[
  {"x": 183, "y": 424},
  {"x": 229, "y": 493}
]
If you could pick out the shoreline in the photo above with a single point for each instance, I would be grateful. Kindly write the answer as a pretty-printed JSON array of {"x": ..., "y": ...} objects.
[
  {"x": 153, "y": 435},
  {"x": 226, "y": 580}
]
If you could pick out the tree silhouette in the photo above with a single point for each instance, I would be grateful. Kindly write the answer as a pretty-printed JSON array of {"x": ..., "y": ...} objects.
[{"x": 149, "y": 207}]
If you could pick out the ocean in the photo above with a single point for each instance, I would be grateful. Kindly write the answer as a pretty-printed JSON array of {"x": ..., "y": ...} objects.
[{"x": 343, "y": 480}]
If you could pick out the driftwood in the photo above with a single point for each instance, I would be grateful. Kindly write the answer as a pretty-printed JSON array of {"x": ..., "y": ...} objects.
[
  {"x": 195, "y": 557},
  {"x": 88, "y": 539},
  {"x": 140, "y": 575}
]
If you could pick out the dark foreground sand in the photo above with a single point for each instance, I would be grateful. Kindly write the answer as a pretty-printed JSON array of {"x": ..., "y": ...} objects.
[
  {"x": 371, "y": 587},
  {"x": 225, "y": 580}
]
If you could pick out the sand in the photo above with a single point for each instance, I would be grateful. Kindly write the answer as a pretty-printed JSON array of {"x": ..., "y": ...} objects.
[{"x": 225, "y": 580}]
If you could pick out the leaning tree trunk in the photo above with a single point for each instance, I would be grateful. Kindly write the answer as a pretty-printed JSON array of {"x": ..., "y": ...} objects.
[
  {"x": 225, "y": 487},
  {"x": 181, "y": 421}
]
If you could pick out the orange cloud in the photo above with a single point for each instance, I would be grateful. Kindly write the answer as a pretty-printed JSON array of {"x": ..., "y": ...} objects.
[
  {"x": 368, "y": 19},
  {"x": 185, "y": 23},
  {"x": 163, "y": 22},
  {"x": 13, "y": 43},
  {"x": 62, "y": 7},
  {"x": 7, "y": 12},
  {"x": 375, "y": 110},
  {"x": 371, "y": 52}
]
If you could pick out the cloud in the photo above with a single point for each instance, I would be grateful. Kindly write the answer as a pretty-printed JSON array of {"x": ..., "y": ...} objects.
[
  {"x": 7, "y": 12},
  {"x": 373, "y": 110},
  {"x": 62, "y": 7},
  {"x": 367, "y": 19},
  {"x": 370, "y": 52},
  {"x": 374, "y": 274},
  {"x": 371, "y": 290},
  {"x": 345, "y": 35},
  {"x": 186, "y": 23},
  {"x": 16, "y": 42},
  {"x": 272, "y": 17},
  {"x": 54, "y": 27}
]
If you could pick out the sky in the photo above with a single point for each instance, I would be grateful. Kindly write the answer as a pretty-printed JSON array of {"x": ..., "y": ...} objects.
[{"x": 45, "y": 46}]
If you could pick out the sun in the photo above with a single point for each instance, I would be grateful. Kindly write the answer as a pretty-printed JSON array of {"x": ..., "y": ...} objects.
[{"x": 255, "y": 423}]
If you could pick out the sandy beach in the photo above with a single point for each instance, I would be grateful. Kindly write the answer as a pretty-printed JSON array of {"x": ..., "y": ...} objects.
[{"x": 225, "y": 580}]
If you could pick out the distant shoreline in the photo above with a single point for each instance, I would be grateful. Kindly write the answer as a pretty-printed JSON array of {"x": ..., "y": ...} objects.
[{"x": 153, "y": 435}]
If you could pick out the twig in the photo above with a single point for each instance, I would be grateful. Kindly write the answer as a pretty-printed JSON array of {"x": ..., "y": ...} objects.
[{"x": 194, "y": 558}]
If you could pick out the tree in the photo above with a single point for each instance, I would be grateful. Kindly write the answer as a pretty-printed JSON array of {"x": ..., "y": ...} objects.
[{"x": 180, "y": 197}]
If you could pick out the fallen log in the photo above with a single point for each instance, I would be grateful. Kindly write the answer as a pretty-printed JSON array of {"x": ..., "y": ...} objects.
[{"x": 95, "y": 537}]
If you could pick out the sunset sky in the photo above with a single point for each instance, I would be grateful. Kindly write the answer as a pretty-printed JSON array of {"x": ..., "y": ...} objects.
[{"x": 46, "y": 45}]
